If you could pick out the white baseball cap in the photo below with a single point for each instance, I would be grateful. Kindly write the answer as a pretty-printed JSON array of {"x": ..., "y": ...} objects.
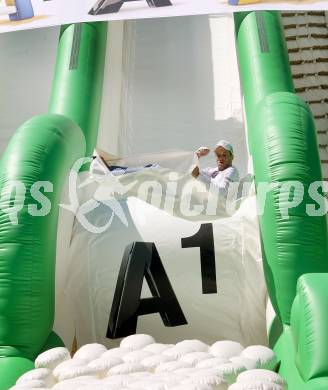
[{"x": 225, "y": 145}]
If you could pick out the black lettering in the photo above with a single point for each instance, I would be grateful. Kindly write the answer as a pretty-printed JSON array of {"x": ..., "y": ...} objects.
[
  {"x": 204, "y": 239},
  {"x": 141, "y": 260}
]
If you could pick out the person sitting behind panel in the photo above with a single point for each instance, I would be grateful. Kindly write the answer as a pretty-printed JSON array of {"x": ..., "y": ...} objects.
[{"x": 224, "y": 173}]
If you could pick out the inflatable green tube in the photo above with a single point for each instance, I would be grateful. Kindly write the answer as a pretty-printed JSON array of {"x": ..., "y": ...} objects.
[
  {"x": 284, "y": 148},
  {"x": 283, "y": 125},
  {"x": 78, "y": 81},
  {"x": 43, "y": 150},
  {"x": 259, "y": 34}
]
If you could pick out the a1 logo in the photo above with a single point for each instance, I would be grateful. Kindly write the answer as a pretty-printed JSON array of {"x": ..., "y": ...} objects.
[{"x": 142, "y": 261}]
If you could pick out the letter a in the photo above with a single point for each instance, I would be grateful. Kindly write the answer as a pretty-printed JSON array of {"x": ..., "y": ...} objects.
[{"x": 141, "y": 260}]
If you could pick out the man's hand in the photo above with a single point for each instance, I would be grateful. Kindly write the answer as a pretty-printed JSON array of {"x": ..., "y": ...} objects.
[
  {"x": 202, "y": 151},
  {"x": 195, "y": 172}
]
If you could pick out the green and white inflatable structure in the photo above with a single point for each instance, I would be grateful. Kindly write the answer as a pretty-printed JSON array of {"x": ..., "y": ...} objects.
[{"x": 283, "y": 145}]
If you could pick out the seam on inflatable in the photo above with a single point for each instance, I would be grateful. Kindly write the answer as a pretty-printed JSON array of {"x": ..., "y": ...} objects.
[
  {"x": 261, "y": 30},
  {"x": 76, "y": 44}
]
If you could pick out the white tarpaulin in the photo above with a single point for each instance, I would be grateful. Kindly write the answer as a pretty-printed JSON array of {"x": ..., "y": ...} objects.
[
  {"x": 233, "y": 309},
  {"x": 170, "y": 85}
]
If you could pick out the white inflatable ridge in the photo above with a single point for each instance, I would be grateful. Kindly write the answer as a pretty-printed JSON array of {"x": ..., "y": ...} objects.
[{"x": 93, "y": 367}]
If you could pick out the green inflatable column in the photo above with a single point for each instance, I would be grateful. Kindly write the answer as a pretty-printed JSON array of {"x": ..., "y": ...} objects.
[
  {"x": 283, "y": 145},
  {"x": 78, "y": 81},
  {"x": 42, "y": 151},
  {"x": 293, "y": 241},
  {"x": 32, "y": 173},
  {"x": 263, "y": 57}
]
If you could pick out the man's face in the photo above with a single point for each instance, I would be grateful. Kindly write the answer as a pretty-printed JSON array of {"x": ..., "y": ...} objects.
[{"x": 223, "y": 158}]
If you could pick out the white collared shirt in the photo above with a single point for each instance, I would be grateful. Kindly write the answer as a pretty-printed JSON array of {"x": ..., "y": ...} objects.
[{"x": 220, "y": 179}]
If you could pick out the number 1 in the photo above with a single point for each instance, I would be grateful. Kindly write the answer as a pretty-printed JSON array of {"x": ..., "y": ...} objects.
[{"x": 204, "y": 239}]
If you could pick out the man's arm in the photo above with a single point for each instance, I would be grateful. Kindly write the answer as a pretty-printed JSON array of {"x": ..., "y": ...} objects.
[{"x": 200, "y": 152}]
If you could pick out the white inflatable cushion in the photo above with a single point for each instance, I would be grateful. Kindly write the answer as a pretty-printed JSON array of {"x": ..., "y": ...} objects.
[
  {"x": 102, "y": 365},
  {"x": 136, "y": 356},
  {"x": 250, "y": 364},
  {"x": 185, "y": 371},
  {"x": 141, "y": 374},
  {"x": 230, "y": 371},
  {"x": 90, "y": 352},
  {"x": 50, "y": 359},
  {"x": 255, "y": 386},
  {"x": 69, "y": 383},
  {"x": 172, "y": 366},
  {"x": 195, "y": 345},
  {"x": 265, "y": 358},
  {"x": 178, "y": 351},
  {"x": 76, "y": 383},
  {"x": 118, "y": 380},
  {"x": 195, "y": 357},
  {"x": 226, "y": 349},
  {"x": 261, "y": 375},
  {"x": 43, "y": 374},
  {"x": 75, "y": 372},
  {"x": 21, "y": 387},
  {"x": 126, "y": 368},
  {"x": 67, "y": 364},
  {"x": 157, "y": 348},
  {"x": 137, "y": 341},
  {"x": 32, "y": 384},
  {"x": 192, "y": 387},
  {"x": 205, "y": 377},
  {"x": 153, "y": 361},
  {"x": 115, "y": 352},
  {"x": 96, "y": 368},
  {"x": 169, "y": 378},
  {"x": 212, "y": 362},
  {"x": 151, "y": 385}
]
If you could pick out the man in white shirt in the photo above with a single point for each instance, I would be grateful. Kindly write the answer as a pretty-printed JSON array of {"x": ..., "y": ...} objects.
[{"x": 224, "y": 173}]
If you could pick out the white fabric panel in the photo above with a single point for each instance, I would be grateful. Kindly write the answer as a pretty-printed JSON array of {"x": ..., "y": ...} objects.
[
  {"x": 181, "y": 161},
  {"x": 236, "y": 312},
  {"x": 26, "y": 70},
  {"x": 109, "y": 124},
  {"x": 64, "y": 323},
  {"x": 227, "y": 103},
  {"x": 180, "y": 88},
  {"x": 175, "y": 85}
]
